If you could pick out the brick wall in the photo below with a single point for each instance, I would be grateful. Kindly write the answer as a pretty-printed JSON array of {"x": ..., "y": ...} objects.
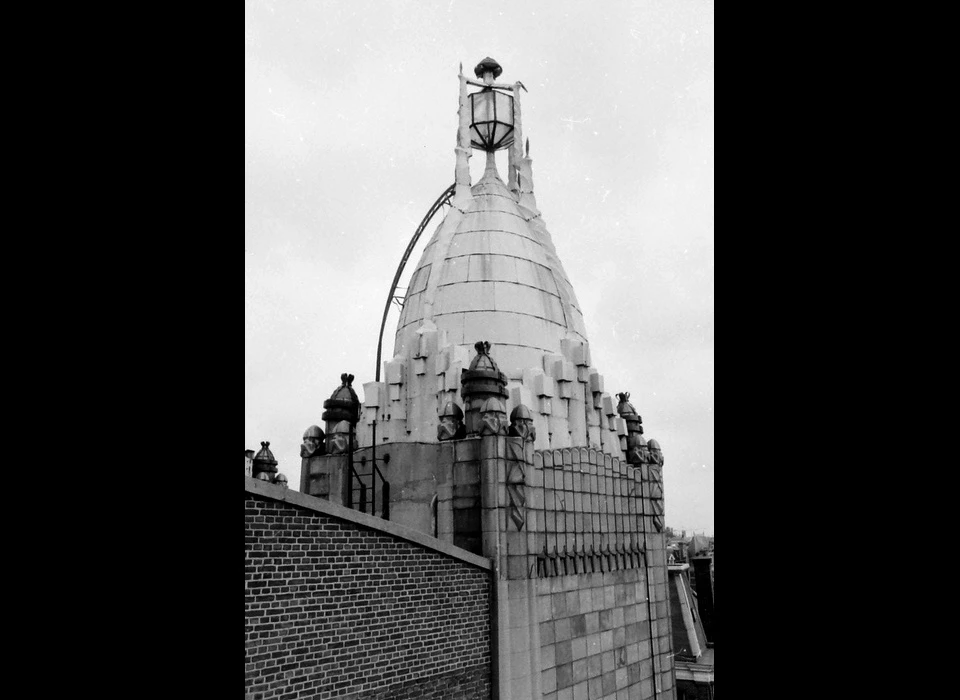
[{"x": 338, "y": 610}]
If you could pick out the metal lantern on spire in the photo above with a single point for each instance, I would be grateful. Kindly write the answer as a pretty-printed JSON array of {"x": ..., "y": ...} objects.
[{"x": 491, "y": 111}]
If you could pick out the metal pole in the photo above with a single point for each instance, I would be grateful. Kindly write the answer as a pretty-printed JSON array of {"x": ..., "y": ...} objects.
[
  {"x": 350, "y": 472},
  {"x": 431, "y": 212},
  {"x": 441, "y": 200}
]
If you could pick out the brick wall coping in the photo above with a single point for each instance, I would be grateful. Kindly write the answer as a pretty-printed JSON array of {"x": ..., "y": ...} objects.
[{"x": 321, "y": 505}]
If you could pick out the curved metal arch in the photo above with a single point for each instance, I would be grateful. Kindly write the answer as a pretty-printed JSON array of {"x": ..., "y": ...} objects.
[{"x": 441, "y": 200}]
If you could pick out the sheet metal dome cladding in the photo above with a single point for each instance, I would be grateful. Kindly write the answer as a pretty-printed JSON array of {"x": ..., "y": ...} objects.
[
  {"x": 490, "y": 276},
  {"x": 492, "y": 272}
]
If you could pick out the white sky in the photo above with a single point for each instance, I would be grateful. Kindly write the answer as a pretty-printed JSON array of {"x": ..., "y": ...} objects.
[{"x": 350, "y": 114}]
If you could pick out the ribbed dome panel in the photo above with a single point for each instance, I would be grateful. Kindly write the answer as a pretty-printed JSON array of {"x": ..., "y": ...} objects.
[{"x": 497, "y": 278}]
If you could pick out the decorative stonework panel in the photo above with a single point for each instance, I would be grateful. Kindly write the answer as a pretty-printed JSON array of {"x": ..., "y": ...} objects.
[
  {"x": 516, "y": 483},
  {"x": 591, "y": 514}
]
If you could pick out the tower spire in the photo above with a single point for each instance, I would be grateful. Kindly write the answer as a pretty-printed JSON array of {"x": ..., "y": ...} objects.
[{"x": 491, "y": 168}]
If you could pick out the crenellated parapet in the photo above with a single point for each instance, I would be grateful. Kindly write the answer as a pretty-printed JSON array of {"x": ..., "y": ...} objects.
[
  {"x": 417, "y": 385},
  {"x": 566, "y": 396}
]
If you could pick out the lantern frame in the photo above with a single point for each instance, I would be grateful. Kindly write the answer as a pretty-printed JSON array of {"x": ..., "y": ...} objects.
[{"x": 486, "y": 142}]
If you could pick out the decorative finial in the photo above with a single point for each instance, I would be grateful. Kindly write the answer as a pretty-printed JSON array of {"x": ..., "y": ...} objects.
[
  {"x": 313, "y": 442},
  {"x": 624, "y": 397},
  {"x": 264, "y": 462},
  {"x": 521, "y": 424},
  {"x": 451, "y": 425},
  {"x": 482, "y": 347},
  {"x": 461, "y": 67},
  {"x": 343, "y": 404},
  {"x": 493, "y": 417},
  {"x": 488, "y": 65}
]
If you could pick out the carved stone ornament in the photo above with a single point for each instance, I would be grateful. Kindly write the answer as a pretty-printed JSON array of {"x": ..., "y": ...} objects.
[
  {"x": 656, "y": 487},
  {"x": 264, "y": 462},
  {"x": 281, "y": 480},
  {"x": 637, "y": 450},
  {"x": 625, "y": 408},
  {"x": 521, "y": 424},
  {"x": 340, "y": 441},
  {"x": 657, "y": 505},
  {"x": 312, "y": 442},
  {"x": 482, "y": 381},
  {"x": 493, "y": 417},
  {"x": 343, "y": 404},
  {"x": 656, "y": 455},
  {"x": 451, "y": 425},
  {"x": 516, "y": 473},
  {"x": 483, "y": 377},
  {"x": 654, "y": 470},
  {"x": 516, "y": 492}
]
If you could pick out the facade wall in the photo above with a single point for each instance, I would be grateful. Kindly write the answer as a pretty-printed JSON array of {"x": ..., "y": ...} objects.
[
  {"x": 589, "y": 545},
  {"x": 335, "y": 610},
  {"x": 595, "y": 636},
  {"x": 574, "y": 525},
  {"x": 418, "y": 474}
]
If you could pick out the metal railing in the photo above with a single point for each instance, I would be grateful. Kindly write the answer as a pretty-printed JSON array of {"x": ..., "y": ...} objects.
[{"x": 357, "y": 482}]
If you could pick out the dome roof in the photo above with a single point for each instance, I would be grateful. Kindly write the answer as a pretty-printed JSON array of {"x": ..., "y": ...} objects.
[{"x": 491, "y": 271}]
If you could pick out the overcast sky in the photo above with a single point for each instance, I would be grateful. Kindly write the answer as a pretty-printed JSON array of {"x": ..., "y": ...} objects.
[{"x": 350, "y": 113}]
